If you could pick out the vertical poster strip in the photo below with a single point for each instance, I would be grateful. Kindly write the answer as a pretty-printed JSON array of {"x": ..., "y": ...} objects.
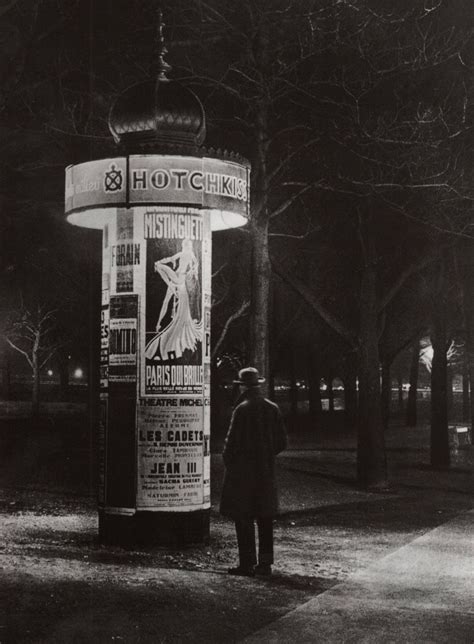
[
  {"x": 171, "y": 441},
  {"x": 207, "y": 356},
  {"x": 206, "y": 453},
  {"x": 206, "y": 288},
  {"x": 121, "y": 469},
  {"x": 104, "y": 342},
  {"x": 104, "y": 367},
  {"x": 123, "y": 321},
  {"x": 173, "y": 342},
  {"x": 123, "y": 330},
  {"x": 104, "y": 312},
  {"x": 125, "y": 253}
]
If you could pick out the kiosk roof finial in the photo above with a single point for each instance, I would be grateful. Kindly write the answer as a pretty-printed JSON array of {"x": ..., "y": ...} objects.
[
  {"x": 158, "y": 112},
  {"x": 162, "y": 66}
]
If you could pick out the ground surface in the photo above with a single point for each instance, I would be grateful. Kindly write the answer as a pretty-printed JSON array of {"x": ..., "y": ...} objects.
[{"x": 59, "y": 585}]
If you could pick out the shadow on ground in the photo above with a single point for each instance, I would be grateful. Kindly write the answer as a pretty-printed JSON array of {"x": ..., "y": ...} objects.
[{"x": 59, "y": 584}]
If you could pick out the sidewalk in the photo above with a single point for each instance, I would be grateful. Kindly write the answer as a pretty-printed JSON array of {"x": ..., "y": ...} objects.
[
  {"x": 423, "y": 592},
  {"x": 344, "y": 557}
]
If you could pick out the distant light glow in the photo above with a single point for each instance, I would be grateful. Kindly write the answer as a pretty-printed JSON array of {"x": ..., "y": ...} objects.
[
  {"x": 78, "y": 373},
  {"x": 50, "y": 372}
]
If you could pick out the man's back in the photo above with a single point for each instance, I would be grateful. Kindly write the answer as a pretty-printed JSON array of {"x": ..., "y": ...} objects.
[{"x": 256, "y": 434}]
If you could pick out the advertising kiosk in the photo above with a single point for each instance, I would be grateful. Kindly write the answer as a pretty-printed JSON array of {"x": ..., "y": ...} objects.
[{"x": 157, "y": 203}]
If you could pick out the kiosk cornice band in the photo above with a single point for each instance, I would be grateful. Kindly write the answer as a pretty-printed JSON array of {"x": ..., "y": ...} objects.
[{"x": 218, "y": 185}]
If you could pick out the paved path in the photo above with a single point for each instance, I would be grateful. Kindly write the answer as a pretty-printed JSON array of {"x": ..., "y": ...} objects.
[{"x": 422, "y": 593}]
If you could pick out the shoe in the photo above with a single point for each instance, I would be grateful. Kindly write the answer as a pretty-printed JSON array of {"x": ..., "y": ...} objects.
[
  {"x": 263, "y": 570},
  {"x": 241, "y": 571}
]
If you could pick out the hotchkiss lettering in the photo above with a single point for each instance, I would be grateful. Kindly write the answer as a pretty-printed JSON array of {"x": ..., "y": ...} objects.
[{"x": 217, "y": 183}]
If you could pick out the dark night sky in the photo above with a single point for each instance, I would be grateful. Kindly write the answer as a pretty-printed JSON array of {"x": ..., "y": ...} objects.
[{"x": 63, "y": 63}]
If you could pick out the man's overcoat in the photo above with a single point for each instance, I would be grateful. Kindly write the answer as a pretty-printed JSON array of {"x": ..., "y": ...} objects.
[{"x": 256, "y": 434}]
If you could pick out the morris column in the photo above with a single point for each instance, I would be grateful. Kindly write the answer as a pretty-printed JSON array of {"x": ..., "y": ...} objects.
[{"x": 156, "y": 203}]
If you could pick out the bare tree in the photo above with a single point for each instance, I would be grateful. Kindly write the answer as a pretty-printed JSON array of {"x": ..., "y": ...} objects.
[
  {"x": 248, "y": 53},
  {"x": 393, "y": 148},
  {"x": 32, "y": 333}
]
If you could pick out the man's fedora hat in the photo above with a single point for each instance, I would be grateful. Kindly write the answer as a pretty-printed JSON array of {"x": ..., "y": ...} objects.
[{"x": 249, "y": 377}]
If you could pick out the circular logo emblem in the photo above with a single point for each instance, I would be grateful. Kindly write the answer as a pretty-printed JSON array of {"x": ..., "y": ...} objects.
[{"x": 113, "y": 179}]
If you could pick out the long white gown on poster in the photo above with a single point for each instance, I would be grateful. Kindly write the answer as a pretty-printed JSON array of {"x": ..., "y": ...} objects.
[{"x": 182, "y": 332}]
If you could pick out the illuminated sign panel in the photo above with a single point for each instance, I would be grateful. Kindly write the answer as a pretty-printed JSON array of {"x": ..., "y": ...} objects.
[
  {"x": 96, "y": 183},
  {"x": 212, "y": 184}
]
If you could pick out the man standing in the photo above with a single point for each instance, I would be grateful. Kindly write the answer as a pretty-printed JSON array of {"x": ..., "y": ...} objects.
[{"x": 256, "y": 434}]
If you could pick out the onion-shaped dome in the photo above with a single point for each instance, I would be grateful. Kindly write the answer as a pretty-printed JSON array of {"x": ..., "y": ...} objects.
[{"x": 158, "y": 111}]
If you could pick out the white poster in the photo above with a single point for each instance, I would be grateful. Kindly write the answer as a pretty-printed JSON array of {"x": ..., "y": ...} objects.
[{"x": 173, "y": 455}]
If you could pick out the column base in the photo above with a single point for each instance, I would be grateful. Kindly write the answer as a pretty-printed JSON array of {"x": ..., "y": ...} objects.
[{"x": 172, "y": 529}]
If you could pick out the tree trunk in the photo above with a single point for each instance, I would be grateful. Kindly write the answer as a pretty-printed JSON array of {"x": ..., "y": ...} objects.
[
  {"x": 272, "y": 348},
  {"x": 371, "y": 461},
  {"x": 350, "y": 393},
  {"x": 63, "y": 367},
  {"x": 465, "y": 391},
  {"x": 5, "y": 372},
  {"x": 271, "y": 386},
  {"x": 259, "y": 315},
  {"x": 467, "y": 278},
  {"x": 329, "y": 392},
  {"x": 439, "y": 400},
  {"x": 260, "y": 261},
  {"x": 293, "y": 391},
  {"x": 450, "y": 391},
  {"x": 386, "y": 392},
  {"x": 400, "y": 390},
  {"x": 314, "y": 391},
  {"x": 411, "y": 416},
  {"x": 220, "y": 408},
  {"x": 35, "y": 395}
]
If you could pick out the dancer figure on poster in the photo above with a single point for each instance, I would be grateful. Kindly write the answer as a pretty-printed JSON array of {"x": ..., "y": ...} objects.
[{"x": 182, "y": 331}]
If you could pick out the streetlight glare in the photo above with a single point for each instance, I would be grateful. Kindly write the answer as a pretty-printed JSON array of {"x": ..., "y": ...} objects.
[{"x": 78, "y": 373}]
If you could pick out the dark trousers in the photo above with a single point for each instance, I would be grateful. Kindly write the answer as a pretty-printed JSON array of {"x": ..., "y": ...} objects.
[{"x": 245, "y": 529}]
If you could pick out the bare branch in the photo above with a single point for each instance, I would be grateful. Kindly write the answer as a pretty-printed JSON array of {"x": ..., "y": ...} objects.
[
  {"x": 290, "y": 157},
  {"x": 402, "y": 278},
  {"x": 309, "y": 231},
  {"x": 6, "y": 7},
  {"x": 429, "y": 224},
  {"x": 290, "y": 201},
  {"x": 235, "y": 316},
  {"x": 219, "y": 270},
  {"x": 309, "y": 297},
  {"x": 20, "y": 350},
  {"x": 50, "y": 354}
]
